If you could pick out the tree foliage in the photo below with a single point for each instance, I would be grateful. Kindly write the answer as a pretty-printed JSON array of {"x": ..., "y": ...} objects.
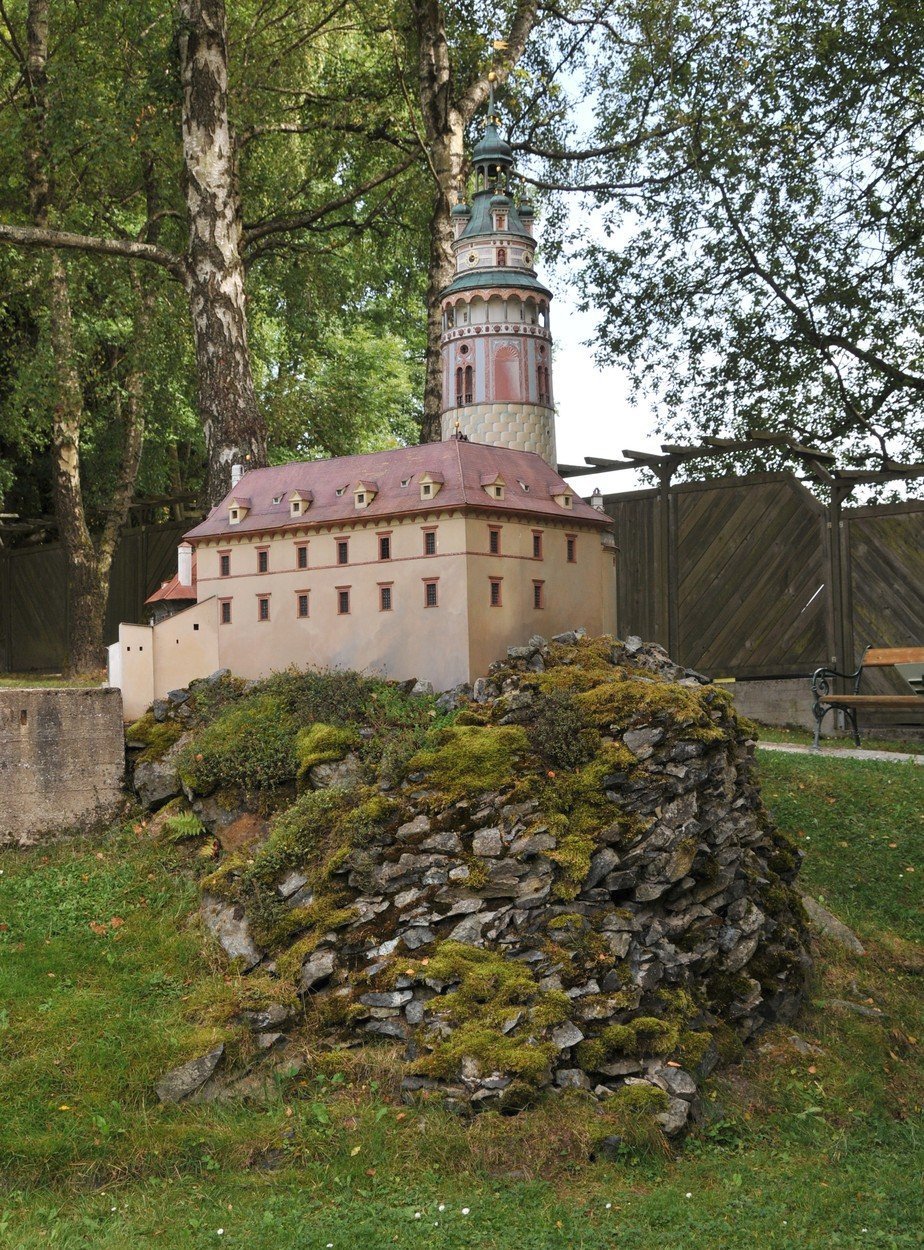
[{"x": 761, "y": 258}]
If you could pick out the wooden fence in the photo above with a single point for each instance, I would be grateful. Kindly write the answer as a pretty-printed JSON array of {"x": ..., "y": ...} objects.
[
  {"x": 754, "y": 577},
  {"x": 34, "y": 626}
]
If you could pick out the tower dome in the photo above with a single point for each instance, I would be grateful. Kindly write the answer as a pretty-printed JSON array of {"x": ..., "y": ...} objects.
[{"x": 497, "y": 343}]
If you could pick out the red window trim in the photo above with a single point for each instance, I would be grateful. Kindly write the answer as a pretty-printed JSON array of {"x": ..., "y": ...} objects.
[
  {"x": 389, "y": 587},
  {"x": 261, "y": 551},
  {"x": 499, "y": 602},
  {"x": 425, "y": 530},
  {"x": 494, "y": 529},
  {"x": 348, "y": 591},
  {"x": 538, "y": 555},
  {"x": 301, "y": 547},
  {"x": 540, "y": 587},
  {"x": 379, "y": 535},
  {"x": 263, "y": 598},
  {"x": 337, "y": 561},
  {"x": 221, "y": 611},
  {"x": 298, "y": 595},
  {"x": 434, "y": 582},
  {"x": 571, "y": 542},
  {"x": 221, "y": 555}
]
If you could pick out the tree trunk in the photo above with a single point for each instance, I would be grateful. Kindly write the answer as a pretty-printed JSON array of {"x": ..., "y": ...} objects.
[
  {"x": 88, "y": 568},
  {"x": 235, "y": 432}
]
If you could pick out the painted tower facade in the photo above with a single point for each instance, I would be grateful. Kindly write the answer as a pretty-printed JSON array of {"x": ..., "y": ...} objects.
[{"x": 497, "y": 344}]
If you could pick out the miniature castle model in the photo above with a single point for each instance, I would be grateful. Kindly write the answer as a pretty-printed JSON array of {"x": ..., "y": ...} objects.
[{"x": 425, "y": 561}]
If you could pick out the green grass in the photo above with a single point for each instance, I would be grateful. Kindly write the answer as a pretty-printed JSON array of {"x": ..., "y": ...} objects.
[
  {"x": 842, "y": 742},
  {"x": 800, "y": 1150},
  {"x": 20, "y": 681}
]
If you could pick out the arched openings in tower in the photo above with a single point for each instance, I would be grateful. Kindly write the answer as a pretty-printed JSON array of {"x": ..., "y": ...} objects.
[
  {"x": 507, "y": 374},
  {"x": 469, "y": 389},
  {"x": 460, "y": 386},
  {"x": 501, "y": 257}
]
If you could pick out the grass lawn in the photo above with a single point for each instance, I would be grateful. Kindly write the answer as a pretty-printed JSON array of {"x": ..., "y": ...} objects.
[
  {"x": 814, "y": 1140},
  {"x": 869, "y": 741},
  {"x": 20, "y": 681}
]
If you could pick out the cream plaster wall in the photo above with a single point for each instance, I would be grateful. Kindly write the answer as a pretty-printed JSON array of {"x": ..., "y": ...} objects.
[
  {"x": 409, "y": 640},
  {"x": 186, "y": 646},
  {"x": 582, "y": 593},
  {"x": 454, "y": 641}
]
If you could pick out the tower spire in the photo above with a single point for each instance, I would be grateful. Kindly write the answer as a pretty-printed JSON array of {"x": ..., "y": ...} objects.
[{"x": 496, "y": 344}]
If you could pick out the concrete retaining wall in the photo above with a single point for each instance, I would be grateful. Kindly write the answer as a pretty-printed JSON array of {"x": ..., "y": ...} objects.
[
  {"x": 62, "y": 760},
  {"x": 781, "y": 701}
]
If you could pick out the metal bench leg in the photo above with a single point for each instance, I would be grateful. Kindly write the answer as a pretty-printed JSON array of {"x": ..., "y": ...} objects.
[
  {"x": 820, "y": 712},
  {"x": 851, "y": 714}
]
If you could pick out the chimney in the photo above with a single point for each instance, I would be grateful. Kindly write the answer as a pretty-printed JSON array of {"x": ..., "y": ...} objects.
[
  {"x": 237, "y": 472},
  {"x": 184, "y": 564}
]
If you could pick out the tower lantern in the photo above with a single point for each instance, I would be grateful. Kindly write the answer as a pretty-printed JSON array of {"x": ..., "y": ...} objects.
[{"x": 497, "y": 343}]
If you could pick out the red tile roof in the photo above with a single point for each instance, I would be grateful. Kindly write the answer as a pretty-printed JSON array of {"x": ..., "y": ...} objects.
[
  {"x": 462, "y": 465},
  {"x": 173, "y": 589}
]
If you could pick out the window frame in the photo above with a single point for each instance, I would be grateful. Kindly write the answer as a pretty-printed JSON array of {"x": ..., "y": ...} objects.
[
  {"x": 538, "y": 595},
  {"x": 263, "y": 559},
  {"x": 386, "y": 588},
  {"x": 301, "y": 548},
  {"x": 384, "y": 539},
  {"x": 496, "y": 592},
  {"x": 431, "y": 583},
  {"x": 429, "y": 532},
  {"x": 225, "y": 614},
  {"x": 343, "y": 545},
  {"x": 538, "y": 553},
  {"x": 341, "y": 591},
  {"x": 494, "y": 540},
  {"x": 224, "y": 558},
  {"x": 571, "y": 549},
  {"x": 299, "y": 614},
  {"x": 263, "y": 600}
]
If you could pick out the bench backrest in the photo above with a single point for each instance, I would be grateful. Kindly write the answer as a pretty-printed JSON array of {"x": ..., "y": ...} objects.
[{"x": 885, "y": 657}]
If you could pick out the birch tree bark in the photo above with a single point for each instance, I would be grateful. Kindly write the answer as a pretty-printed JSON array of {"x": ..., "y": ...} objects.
[{"x": 235, "y": 432}]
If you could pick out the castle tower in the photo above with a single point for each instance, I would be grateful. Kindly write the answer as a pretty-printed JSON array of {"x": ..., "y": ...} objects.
[{"x": 496, "y": 344}]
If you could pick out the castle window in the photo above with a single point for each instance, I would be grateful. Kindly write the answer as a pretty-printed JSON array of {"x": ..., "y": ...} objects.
[
  {"x": 426, "y": 490},
  {"x": 571, "y": 549},
  {"x": 263, "y": 560},
  {"x": 494, "y": 538},
  {"x": 263, "y": 608},
  {"x": 538, "y": 594},
  {"x": 224, "y": 564},
  {"x": 537, "y": 544},
  {"x": 343, "y": 551},
  {"x": 384, "y": 546},
  {"x": 277, "y": 499},
  {"x": 225, "y": 611},
  {"x": 431, "y": 594},
  {"x": 301, "y": 556},
  {"x": 501, "y": 254},
  {"x": 460, "y": 387},
  {"x": 360, "y": 498},
  {"x": 429, "y": 542},
  {"x": 235, "y": 515},
  {"x": 385, "y": 598},
  {"x": 469, "y": 384},
  {"x": 301, "y": 604},
  {"x": 495, "y": 599},
  {"x": 498, "y": 492},
  {"x": 343, "y": 600}
]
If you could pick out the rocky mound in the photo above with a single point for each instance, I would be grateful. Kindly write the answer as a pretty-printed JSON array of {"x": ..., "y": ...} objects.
[{"x": 564, "y": 877}]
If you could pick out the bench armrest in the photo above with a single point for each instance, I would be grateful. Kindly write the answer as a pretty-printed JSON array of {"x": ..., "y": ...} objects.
[{"x": 820, "y": 685}]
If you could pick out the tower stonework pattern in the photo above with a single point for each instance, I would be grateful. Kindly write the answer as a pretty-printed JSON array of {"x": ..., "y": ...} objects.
[{"x": 496, "y": 344}]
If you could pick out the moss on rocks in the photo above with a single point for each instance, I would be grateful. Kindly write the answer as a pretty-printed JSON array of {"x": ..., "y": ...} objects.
[
  {"x": 466, "y": 760},
  {"x": 156, "y": 737}
]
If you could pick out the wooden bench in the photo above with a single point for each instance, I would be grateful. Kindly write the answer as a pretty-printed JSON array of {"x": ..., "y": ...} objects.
[{"x": 873, "y": 657}]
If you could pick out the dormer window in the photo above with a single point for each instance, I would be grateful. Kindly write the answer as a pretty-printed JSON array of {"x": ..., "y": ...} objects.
[
  {"x": 341, "y": 490},
  {"x": 299, "y": 502},
  {"x": 430, "y": 485},
  {"x": 364, "y": 493},
  {"x": 562, "y": 496},
  {"x": 493, "y": 485},
  {"x": 237, "y": 510},
  {"x": 277, "y": 499}
]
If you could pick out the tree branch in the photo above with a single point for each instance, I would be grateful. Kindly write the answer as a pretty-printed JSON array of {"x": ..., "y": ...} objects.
[
  {"x": 63, "y": 240},
  {"x": 299, "y": 221}
]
